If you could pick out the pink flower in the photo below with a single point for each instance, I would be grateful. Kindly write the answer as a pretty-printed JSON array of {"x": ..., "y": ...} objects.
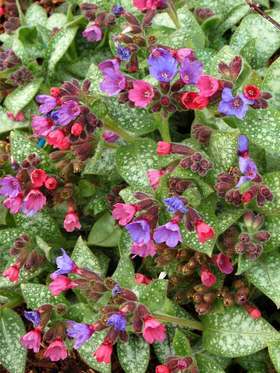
[
  {"x": 71, "y": 222},
  {"x": 56, "y": 351},
  {"x": 144, "y": 249},
  {"x": 153, "y": 330},
  {"x": 32, "y": 340},
  {"x": 253, "y": 311},
  {"x": 163, "y": 148},
  {"x": 33, "y": 202},
  {"x": 162, "y": 369},
  {"x": 207, "y": 85},
  {"x": 38, "y": 177},
  {"x": 123, "y": 212},
  {"x": 60, "y": 284},
  {"x": 12, "y": 272},
  {"x": 76, "y": 129},
  {"x": 104, "y": 352},
  {"x": 141, "y": 94},
  {"x": 154, "y": 177},
  {"x": 58, "y": 140},
  {"x": 41, "y": 126},
  {"x": 208, "y": 279},
  {"x": 13, "y": 203},
  {"x": 204, "y": 231},
  {"x": 110, "y": 136},
  {"x": 224, "y": 263},
  {"x": 148, "y": 4},
  {"x": 183, "y": 53},
  {"x": 141, "y": 279},
  {"x": 51, "y": 183}
]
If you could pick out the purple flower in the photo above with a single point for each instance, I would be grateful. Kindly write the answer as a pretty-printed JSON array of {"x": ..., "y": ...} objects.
[
  {"x": 48, "y": 103},
  {"x": 243, "y": 144},
  {"x": 123, "y": 53},
  {"x": 139, "y": 231},
  {"x": 175, "y": 204},
  {"x": 93, "y": 33},
  {"x": 65, "y": 265},
  {"x": 110, "y": 136},
  {"x": 118, "y": 321},
  {"x": 144, "y": 249},
  {"x": 163, "y": 67},
  {"x": 68, "y": 112},
  {"x": 33, "y": 316},
  {"x": 249, "y": 169},
  {"x": 169, "y": 234},
  {"x": 80, "y": 332},
  {"x": 33, "y": 202},
  {"x": 190, "y": 71},
  {"x": 117, "y": 10},
  {"x": 113, "y": 80},
  {"x": 116, "y": 290},
  {"x": 9, "y": 186},
  {"x": 233, "y": 106},
  {"x": 41, "y": 126}
]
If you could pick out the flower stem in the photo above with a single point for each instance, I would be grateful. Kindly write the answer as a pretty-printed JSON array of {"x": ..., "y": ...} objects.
[
  {"x": 13, "y": 303},
  {"x": 192, "y": 324},
  {"x": 110, "y": 125},
  {"x": 163, "y": 128},
  {"x": 256, "y": 9}
]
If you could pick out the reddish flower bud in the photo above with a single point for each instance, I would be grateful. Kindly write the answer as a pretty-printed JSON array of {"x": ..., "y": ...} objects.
[
  {"x": 55, "y": 91},
  {"x": 224, "y": 263},
  {"x": 247, "y": 197},
  {"x": 2, "y": 11},
  {"x": 12, "y": 272},
  {"x": 38, "y": 177},
  {"x": 252, "y": 311},
  {"x": 204, "y": 231},
  {"x": 163, "y": 148},
  {"x": 235, "y": 67},
  {"x": 262, "y": 236},
  {"x": 51, "y": 183},
  {"x": 162, "y": 369},
  {"x": 76, "y": 129},
  {"x": 208, "y": 279},
  {"x": 142, "y": 279}
]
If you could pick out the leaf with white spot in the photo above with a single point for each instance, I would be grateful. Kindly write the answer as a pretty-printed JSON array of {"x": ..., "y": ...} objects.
[
  {"x": 274, "y": 353},
  {"x": 105, "y": 232},
  {"x": 153, "y": 295},
  {"x": 232, "y": 333},
  {"x": 181, "y": 344},
  {"x": 265, "y": 275},
  {"x": 12, "y": 354},
  {"x": 124, "y": 273},
  {"x": 165, "y": 349},
  {"x": 271, "y": 83},
  {"x": 228, "y": 217},
  {"x": 207, "y": 363},
  {"x": 36, "y": 15},
  {"x": 134, "y": 354},
  {"x": 36, "y": 295},
  {"x": 103, "y": 162},
  {"x": 56, "y": 20},
  {"x": 21, "y": 96}
]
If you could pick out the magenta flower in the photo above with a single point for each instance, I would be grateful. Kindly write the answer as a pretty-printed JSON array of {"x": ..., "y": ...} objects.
[
  {"x": 224, "y": 263},
  {"x": 207, "y": 85},
  {"x": 32, "y": 340},
  {"x": 104, "y": 352},
  {"x": 190, "y": 71},
  {"x": 41, "y": 126},
  {"x": 208, "y": 278},
  {"x": 248, "y": 168},
  {"x": 169, "y": 234},
  {"x": 123, "y": 212},
  {"x": 9, "y": 186},
  {"x": 64, "y": 264},
  {"x": 139, "y": 231},
  {"x": 58, "y": 140},
  {"x": 48, "y": 103},
  {"x": 71, "y": 222},
  {"x": 141, "y": 94},
  {"x": 183, "y": 53},
  {"x": 80, "y": 332},
  {"x": 12, "y": 272},
  {"x": 163, "y": 67},
  {"x": 154, "y": 177},
  {"x": 33, "y": 202},
  {"x": 234, "y": 105},
  {"x": 110, "y": 136},
  {"x": 144, "y": 249},
  {"x": 118, "y": 322},
  {"x": 56, "y": 351},
  {"x": 68, "y": 112},
  {"x": 93, "y": 33},
  {"x": 149, "y": 4},
  {"x": 153, "y": 330},
  {"x": 60, "y": 284},
  {"x": 113, "y": 80}
]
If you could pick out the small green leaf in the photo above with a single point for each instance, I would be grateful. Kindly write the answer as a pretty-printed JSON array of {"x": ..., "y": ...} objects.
[
  {"x": 234, "y": 333},
  {"x": 274, "y": 353},
  {"x": 12, "y": 354},
  {"x": 36, "y": 295},
  {"x": 104, "y": 232},
  {"x": 59, "y": 45},
  {"x": 134, "y": 355},
  {"x": 181, "y": 344},
  {"x": 20, "y": 97},
  {"x": 236, "y": 14},
  {"x": 36, "y": 15},
  {"x": 271, "y": 83},
  {"x": 265, "y": 275},
  {"x": 124, "y": 273}
]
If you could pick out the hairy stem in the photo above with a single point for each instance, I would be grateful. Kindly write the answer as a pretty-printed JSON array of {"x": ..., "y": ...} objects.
[
  {"x": 163, "y": 128},
  {"x": 172, "y": 12},
  {"x": 110, "y": 125},
  {"x": 191, "y": 324}
]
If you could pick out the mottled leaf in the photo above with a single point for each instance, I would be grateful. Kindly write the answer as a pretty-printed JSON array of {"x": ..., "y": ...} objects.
[
  {"x": 104, "y": 232},
  {"x": 35, "y": 295},
  {"x": 271, "y": 83},
  {"x": 36, "y": 15},
  {"x": 134, "y": 355}
]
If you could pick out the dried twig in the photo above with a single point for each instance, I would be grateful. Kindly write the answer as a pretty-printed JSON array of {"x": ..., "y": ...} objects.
[{"x": 257, "y": 9}]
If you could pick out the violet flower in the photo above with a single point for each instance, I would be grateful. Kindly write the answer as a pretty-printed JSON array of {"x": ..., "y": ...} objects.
[
  {"x": 123, "y": 53},
  {"x": 9, "y": 186},
  {"x": 190, "y": 71},
  {"x": 65, "y": 265},
  {"x": 248, "y": 168},
  {"x": 48, "y": 103},
  {"x": 175, "y": 204},
  {"x": 80, "y": 332},
  {"x": 243, "y": 145},
  {"x": 92, "y": 33},
  {"x": 118, "y": 322},
  {"x": 33, "y": 316},
  {"x": 116, "y": 290},
  {"x": 139, "y": 231},
  {"x": 67, "y": 113},
  {"x": 113, "y": 80},
  {"x": 169, "y": 234},
  {"x": 234, "y": 105},
  {"x": 41, "y": 126},
  {"x": 163, "y": 68}
]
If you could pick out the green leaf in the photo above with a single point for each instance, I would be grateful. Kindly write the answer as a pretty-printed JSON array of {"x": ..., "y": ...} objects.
[
  {"x": 255, "y": 363},
  {"x": 12, "y": 354},
  {"x": 272, "y": 225},
  {"x": 265, "y": 275},
  {"x": 103, "y": 162},
  {"x": 22, "y": 147},
  {"x": 272, "y": 180},
  {"x": 271, "y": 83},
  {"x": 36, "y": 295},
  {"x": 105, "y": 232},
  {"x": 36, "y": 15},
  {"x": 21, "y": 96},
  {"x": 188, "y": 34},
  {"x": 236, "y": 14},
  {"x": 85, "y": 258},
  {"x": 228, "y": 217},
  {"x": 7, "y": 125},
  {"x": 267, "y": 37},
  {"x": 220, "y": 7},
  {"x": 134, "y": 355},
  {"x": 181, "y": 344},
  {"x": 133, "y": 162},
  {"x": 125, "y": 243},
  {"x": 274, "y": 353},
  {"x": 234, "y": 333},
  {"x": 56, "y": 20},
  {"x": 208, "y": 364},
  {"x": 153, "y": 295},
  {"x": 59, "y": 45},
  {"x": 124, "y": 273},
  {"x": 165, "y": 349}
]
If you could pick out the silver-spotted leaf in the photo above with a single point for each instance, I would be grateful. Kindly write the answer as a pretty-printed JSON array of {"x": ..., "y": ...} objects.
[
  {"x": 35, "y": 295},
  {"x": 274, "y": 354},
  {"x": 105, "y": 232},
  {"x": 134, "y": 355}
]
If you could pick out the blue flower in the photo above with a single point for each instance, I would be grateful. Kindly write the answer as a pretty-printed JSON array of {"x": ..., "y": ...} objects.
[
  {"x": 175, "y": 204},
  {"x": 116, "y": 290},
  {"x": 118, "y": 321},
  {"x": 33, "y": 316},
  {"x": 169, "y": 234},
  {"x": 117, "y": 10},
  {"x": 80, "y": 332},
  {"x": 65, "y": 265},
  {"x": 233, "y": 105},
  {"x": 123, "y": 53},
  {"x": 243, "y": 144},
  {"x": 162, "y": 65},
  {"x": 139, "y": 231},
  {"x": 248, "y": 168}
]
